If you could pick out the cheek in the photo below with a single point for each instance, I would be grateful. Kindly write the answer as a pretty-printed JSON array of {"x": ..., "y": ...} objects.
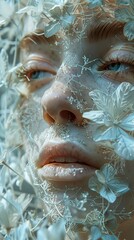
[{"x": 31, "y": 117}]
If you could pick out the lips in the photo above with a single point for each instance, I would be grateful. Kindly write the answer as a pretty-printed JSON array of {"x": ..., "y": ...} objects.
[{"x": 65, "y": 162}]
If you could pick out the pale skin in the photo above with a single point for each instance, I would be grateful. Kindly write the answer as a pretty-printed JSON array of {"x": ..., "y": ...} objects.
[{"x": 62, "y": 99}]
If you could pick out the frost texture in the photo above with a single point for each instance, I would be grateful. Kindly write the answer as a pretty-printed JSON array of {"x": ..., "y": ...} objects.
[
  {"x": 126, "y": 14},
  {"x": 115, "y": 119},
  {"x": 106, "y": 184}
]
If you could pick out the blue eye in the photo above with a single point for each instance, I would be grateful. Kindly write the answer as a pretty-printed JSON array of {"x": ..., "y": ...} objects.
[
  {"x": 116, "y": 67},
  {"x": 38, "y": 75}
]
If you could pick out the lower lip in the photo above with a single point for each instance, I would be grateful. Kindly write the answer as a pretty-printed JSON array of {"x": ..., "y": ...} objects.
[{"x": 66, "y": 171}]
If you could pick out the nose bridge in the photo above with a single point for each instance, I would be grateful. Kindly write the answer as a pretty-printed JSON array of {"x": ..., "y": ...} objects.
[{"x": 63, "y": 101}]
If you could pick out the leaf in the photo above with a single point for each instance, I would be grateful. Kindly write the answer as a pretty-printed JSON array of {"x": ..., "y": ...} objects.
[
  {"x": 129, "y": 30},
  {"x": 108, "y": 171},
  {"x": 109, "y": 237},
  {"x": 108, "y": 194},
  {"x": 118, "y": 187},
  {"x": 123, "y": 15},
  {"x": 124, "y": 146},
  {"x": 123, "y": 97},
  {"x": 52, "y": 29},
  {"x": 56, "y": 12},
  {"x": 68, "y": 20},
  {"x": 95, "y": 233},
  {"x": 128, "y": 122},
  {"x": 6, "y": 9},
  {"x": 95, "y": 116},
  {"x": 100, "y": 99},
  {"x": 109, "y": 134},
  {"x": 94, "y": 184}
]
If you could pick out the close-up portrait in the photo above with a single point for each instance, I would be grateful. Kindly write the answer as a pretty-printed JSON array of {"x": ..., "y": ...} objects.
[{"x": 66, "y": 119}]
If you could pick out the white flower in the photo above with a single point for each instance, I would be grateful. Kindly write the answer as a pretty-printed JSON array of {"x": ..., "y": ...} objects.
[
  {"x": 115, "y": 119},
  {"x": 106, "y": 184},
  {"x": 53, "y": 232},
  {"x": 126, "y": 14},
  {"x": 62, "y": 16},
  {"x": 11, "y": 209},
  {"x": 6, "y": 11}
]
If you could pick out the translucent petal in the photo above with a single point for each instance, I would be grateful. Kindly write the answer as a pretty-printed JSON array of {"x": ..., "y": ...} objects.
[
  {"x": 128, "y": 122},
  {"x": 108, "y": 171},
  {"x": 100, "y": 176},
  {"x": 95, "y": 116},
  {"x": 52, "y": 29},
  {"x": 123, "y": 98},
  {"x": 94, "y": 184},
  {"x": 118, "y": 187},
  {"x": 95, "y": 3},
  {"x": 124, "y": 146},
  {"x": 56, "y": 12},
  {"x": 129, "y": 30},
  {"x": 123, "y": 14},
  {"x": 109, "y": 237},
  {"x": 109, "y": 134},
  {"x": 100, "y": 99},
  {"x": 67, "y": 20},
  {"x": 95, "y": 233},
  {"x": 108, "y": 194}
]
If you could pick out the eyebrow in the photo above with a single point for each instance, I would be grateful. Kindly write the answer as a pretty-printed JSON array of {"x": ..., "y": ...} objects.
[
  {"x": 36, "y": 38},
  {"x": 103, "y": 30},
  {"x": 96, "y": 31}
]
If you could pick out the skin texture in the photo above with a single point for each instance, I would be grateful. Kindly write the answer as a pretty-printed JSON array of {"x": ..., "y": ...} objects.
[{"x": 52, "y": 110}]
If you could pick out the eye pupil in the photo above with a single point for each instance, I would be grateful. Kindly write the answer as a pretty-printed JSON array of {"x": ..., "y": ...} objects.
[
  {"x": 35, "y": 74},
  {"x": 114, "y": 66}
]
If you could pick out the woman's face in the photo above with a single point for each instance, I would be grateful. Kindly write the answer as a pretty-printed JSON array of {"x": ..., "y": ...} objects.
[{"x": 60, "y": 72}]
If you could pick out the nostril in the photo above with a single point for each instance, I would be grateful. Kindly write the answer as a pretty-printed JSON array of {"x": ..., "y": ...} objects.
[{"x": 67, "y": 115}]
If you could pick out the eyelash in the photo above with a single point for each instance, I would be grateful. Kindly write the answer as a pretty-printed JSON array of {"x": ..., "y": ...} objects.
[
  {"x": 103, "y": 64},
  {"x": 23, "y": 72}
]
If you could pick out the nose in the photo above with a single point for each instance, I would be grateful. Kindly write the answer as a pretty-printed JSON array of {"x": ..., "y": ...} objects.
[{"x": 58, "y": 107}]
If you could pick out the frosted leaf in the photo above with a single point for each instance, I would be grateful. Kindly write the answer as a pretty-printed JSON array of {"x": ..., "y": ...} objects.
[
  {"x": 108, "y": 194},
  {"x": 53, "y": 232},
  {"x": 124, "y": 146},
  {"x": 95, "y": 233},
  {"x": 52, "y": 29},
  {"x": 109, "y": 134},
  {"x": 56, "y": 12},
  {"x": 106, "y": 184},
  {"x": 6, "y": 9},
  {"x": 129, "y": 30},
  {"x": 99, "y": 98},
  {"x": 123, "y": 96},
  {"x": 127, "y": 123},
  {"x": 95, "y": 116},
  {"x": 123, "y": 2},
  {"x": 118, "y": 187},
  {"x": 94, "y": 3}
]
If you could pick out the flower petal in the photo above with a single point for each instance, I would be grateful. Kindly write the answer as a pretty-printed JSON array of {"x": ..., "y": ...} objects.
[
  {"x": 108, "y": 194},
  {"x": 124, "y": 146},
  {"x": 52, "y": 29},
  {"x": 128, "y": 122},
  {"x": 109, "y": 134},
  {"x": 118, "y": 187},
  {"x": 95, "y": 116},
  {"x": 129, "y": 30}
]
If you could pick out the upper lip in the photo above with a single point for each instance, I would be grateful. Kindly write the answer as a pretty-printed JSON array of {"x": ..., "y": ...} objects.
[{"x": 66, "y": 150}]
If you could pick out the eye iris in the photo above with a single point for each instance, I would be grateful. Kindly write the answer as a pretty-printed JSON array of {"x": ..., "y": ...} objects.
[
  {"x": 113, "y": 66},
  {"x": 35, "y": 74}
]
